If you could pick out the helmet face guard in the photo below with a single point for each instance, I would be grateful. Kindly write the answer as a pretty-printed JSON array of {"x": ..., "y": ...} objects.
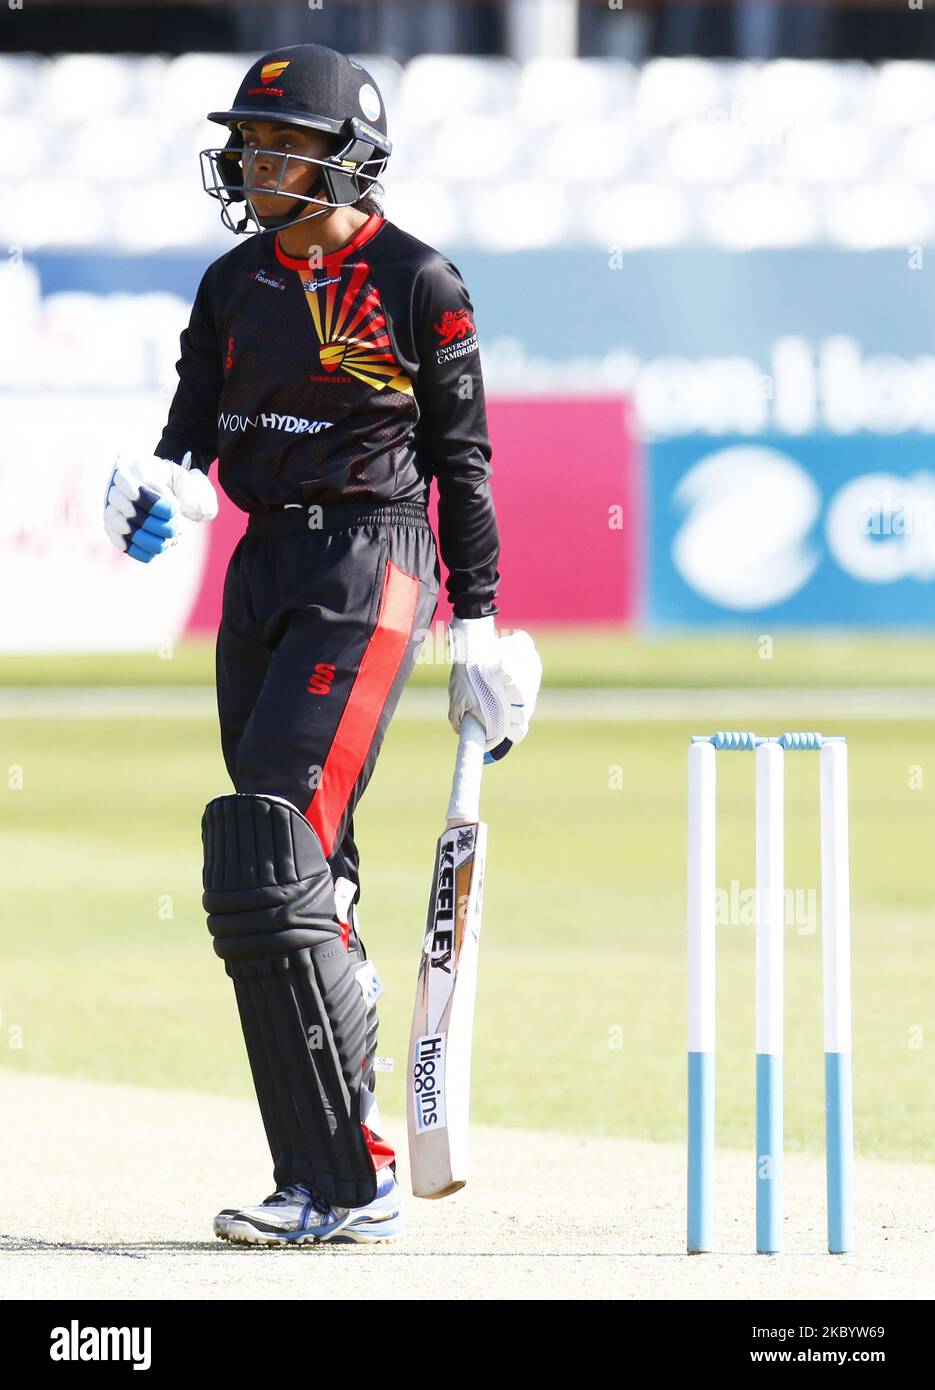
[{"x": 344, "y": 176}]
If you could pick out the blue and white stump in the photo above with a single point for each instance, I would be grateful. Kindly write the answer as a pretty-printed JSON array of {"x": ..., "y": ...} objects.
[{"x": 770, "y": 925}]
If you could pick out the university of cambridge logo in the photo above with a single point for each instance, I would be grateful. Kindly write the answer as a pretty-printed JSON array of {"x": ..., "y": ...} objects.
[{"x": 455, "y": 325}]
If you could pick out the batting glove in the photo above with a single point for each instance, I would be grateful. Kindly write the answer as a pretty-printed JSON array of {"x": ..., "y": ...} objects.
[
  {"x": 145, "y": 500},
  {"x": 494, "y": 678}
]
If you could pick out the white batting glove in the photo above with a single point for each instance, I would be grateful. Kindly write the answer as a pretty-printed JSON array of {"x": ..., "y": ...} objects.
[
  {"x": 145, "y": 500},
  {"x": 494, "y": 678}
]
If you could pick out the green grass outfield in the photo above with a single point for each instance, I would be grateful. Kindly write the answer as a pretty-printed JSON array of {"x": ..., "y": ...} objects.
[
  {"x": 109, "y": 972},
  {"x": 586, "y": 657}
]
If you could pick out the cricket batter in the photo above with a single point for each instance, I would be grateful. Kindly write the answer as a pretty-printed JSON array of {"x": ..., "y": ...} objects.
[{"x": 331, "y": 367}]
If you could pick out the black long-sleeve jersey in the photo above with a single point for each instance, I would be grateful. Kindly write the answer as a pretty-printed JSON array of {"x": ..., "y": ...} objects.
[{"x": 353, "y": 377}]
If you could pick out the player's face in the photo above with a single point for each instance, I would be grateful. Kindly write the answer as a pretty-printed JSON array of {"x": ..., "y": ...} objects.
[{"x": 262, "y": 168}]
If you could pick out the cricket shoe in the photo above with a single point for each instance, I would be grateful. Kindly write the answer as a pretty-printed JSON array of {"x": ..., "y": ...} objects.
[{"x": 295, "y": 1215}]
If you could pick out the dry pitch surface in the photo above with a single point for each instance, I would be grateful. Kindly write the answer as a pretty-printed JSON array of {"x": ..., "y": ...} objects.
[{"x": 108, "y": 1191}]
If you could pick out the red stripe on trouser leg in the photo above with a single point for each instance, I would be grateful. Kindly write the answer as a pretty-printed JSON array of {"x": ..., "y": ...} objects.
[
  {"x": 354, "y": 735},
  {"x": 380, "y": 1151},
  {"x": 358, "y": 724}
]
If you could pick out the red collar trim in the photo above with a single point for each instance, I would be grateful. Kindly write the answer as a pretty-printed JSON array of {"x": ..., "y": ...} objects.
[{"x": 334, "y": 258}]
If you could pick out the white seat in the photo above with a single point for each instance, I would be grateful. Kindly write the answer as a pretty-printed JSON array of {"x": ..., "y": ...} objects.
[
  {"x": 791, "y": 90},
  {"x": 23, "y": 83},
  {"x": 584, "y": 150},
  {"x": 903, "y": 94},
  {"x": 706, "y": 150},
  {"x": 188, "y": 140},
  {"x": 488, "y": 153},
  {"x": 426, "y": 209},
  {"x": 410, "y": 157},
  {"x": 553, "y": 90},
  {"x": 114, "y": 148},
  {"x": 25, "y": 217},
  {"x": 196, "y": 83},
  {"x": 435, "y": 86},
  {"x": 25, "y": 144},
  {"x": 516, "y": 215},
  {"x": 760, "y": 214},
  {"x": 635, "y": 215},
  {"x": 80, "y": 86},
  {"x": 830, "y": 152},
  {"x": 163, "y": 213},
  {"x": 878, "y": 215},
  {"x": 916, "y": 157},
  {"x": 470, "y": 147},
  {"x": 673, "y": 89}
]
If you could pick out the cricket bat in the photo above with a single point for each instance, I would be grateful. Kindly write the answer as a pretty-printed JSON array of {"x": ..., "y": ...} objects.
[{"x": 439, "y": 1072}]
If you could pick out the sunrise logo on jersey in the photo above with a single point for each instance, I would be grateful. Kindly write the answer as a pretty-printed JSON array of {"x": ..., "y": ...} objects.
[{"x": 351, "y": 327}]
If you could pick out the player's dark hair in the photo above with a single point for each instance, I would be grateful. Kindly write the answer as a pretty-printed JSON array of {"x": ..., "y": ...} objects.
[{"x": 372, "y": 200}]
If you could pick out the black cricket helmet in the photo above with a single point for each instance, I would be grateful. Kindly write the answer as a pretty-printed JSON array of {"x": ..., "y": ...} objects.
[{"x": 307, "y": 85}]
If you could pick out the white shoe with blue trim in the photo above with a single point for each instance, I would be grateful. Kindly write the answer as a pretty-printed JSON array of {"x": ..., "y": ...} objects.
[{"x": 295, "y": 1215}]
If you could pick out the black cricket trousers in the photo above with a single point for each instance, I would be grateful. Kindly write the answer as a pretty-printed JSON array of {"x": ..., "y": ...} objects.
[{"x": 320, "y": 628}]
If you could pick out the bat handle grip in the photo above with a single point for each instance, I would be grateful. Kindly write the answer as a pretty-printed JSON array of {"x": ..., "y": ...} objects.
[{"x": 464, "y": 806}]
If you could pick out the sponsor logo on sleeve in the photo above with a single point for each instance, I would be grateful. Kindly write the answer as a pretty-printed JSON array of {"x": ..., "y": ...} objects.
[{"x": 457, "y": 335}]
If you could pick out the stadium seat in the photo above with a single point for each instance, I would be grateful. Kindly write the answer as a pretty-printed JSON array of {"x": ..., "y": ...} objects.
[
  {"x": 552, "y": 90},
  {"x": 410, "y": 158},
  {"x": 164, "y": 213},
  {"x": 26, "y": 146},
  {"x": 80, "y": 86},
  {"x": 917, "y": 155},
  {"x": 23, "y": 80},
  {"x": 435, "y": 86},
  {"x": 112, "y": 149},
  {"x": 25, "y": 220},
  {"x": 431, "y": 212},
  {"x": 635, "y": 215},
  {"x": 791, "y": 90},
  {"x": 830, "y": 152},
  {"x": 518, "y": 214},
  {"x": 673, "y": 89},
  {"x": 477, "y": 147},
  {"x": 585, "y": 150},
  {"x": 681, "y": 150},
  {"x": 759, "y": 214},
  {"x": 708, "y": 149},
  {"x": 198, "y": 82},
  {"x": 877, "y": 215},
  {"x": 904, "y": 94}
]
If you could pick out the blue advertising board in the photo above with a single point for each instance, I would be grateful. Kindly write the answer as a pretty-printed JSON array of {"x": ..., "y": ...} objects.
[{"x": 818, "y": 530}]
